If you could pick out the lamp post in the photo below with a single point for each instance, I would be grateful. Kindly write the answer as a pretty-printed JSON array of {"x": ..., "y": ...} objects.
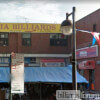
[{"x": 68, "y": 27}]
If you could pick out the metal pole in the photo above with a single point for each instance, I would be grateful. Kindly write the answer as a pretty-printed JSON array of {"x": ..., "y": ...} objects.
[
  {"x": 61, "y": 86},
  {"x": 10, "y": 79},
  {"x": 74, "y": 67}
]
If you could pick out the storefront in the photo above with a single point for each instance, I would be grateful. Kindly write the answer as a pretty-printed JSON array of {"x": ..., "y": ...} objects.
[
  {"x": 41, "y": 82},
  {"x": 86, "y": 58}
]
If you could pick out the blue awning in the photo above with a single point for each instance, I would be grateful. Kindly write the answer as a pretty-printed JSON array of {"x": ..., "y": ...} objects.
[{"x": 44, "y": 74}]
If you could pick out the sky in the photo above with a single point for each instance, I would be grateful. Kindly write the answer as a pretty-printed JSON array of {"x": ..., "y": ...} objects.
[{"x": 44, "y": 11}]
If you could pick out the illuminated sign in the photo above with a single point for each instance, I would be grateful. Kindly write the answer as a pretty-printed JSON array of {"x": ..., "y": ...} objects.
[
  {"x": 30, "y": 27},
  {"x": 87, "y": 52},
  {"x": 90, "y": 64}
]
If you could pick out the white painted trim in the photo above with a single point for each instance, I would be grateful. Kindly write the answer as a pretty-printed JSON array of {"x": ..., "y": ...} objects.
[
  {"x": 40, "y": 55},
  {"x": 47, "y": 55},
  {"x": 4, "y": 55},
  {"x": 87, "y": 47}
]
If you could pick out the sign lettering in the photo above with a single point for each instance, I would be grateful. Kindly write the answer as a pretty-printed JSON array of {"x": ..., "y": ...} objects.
[{"x": 30, "y": 27}]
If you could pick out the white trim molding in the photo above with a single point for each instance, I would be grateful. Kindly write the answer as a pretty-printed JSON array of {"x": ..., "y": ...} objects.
[{"x": 40, "y": 55}]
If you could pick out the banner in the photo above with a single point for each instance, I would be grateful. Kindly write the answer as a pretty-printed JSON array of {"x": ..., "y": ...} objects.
[
  {"x": 52, "y": 63},
  {"x": 30, "y": 27},
  {"x": 17, "y": 73}
]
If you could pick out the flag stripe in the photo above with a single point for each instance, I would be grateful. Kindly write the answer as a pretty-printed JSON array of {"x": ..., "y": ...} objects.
[{"x": 97, "y": 36}]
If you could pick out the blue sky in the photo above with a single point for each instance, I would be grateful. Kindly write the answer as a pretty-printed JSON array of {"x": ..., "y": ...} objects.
[{"x": 43, "y": 11}]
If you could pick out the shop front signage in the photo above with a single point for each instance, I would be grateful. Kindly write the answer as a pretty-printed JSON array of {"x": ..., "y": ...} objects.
[
  {"x": 89, "y": 64},
  {"x": 17, "y": 73},
  {"x": 30, "y": 27},
  {"x": 52, "y": 63},
  {"x": 87, "y": 52}
]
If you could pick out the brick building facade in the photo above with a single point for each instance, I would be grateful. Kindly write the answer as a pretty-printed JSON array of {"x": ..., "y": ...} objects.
[
  {"x": 35, "y": 47},
  {"x": 40, "y": 44},
  {"x": 84, "y": 40}
]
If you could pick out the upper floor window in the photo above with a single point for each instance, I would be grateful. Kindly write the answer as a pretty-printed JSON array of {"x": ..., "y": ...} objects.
[
  {"x": 3, "y": 39},
  {"x": 94, "y": 27},
  {"x": 26, "y": 39},
  {"x": 58, "y": 39}
]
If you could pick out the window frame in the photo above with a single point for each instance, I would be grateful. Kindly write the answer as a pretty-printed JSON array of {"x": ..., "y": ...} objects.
[
  {"x": 4, "y": 40},
  {"x": 58, "y": 40},
  {"x": 26, "y": 39}
]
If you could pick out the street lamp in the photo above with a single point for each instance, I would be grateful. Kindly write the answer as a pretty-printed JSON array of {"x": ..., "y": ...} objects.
[{"x": 67, "y": 28}]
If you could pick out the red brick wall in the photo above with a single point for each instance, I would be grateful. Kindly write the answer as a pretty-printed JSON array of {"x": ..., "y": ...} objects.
[
  {"x": 40, "y": 45},
  {"x": 85, "y": 39}
]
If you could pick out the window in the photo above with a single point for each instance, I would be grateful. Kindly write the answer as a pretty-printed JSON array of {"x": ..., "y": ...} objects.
[
  {"x": 3, "y": 39},
  {"x": 33, "y": 60},
  {"x": 94, "y": 27},
  {"x": 26, "y": 39},
  {"x": 58, "y": 40},
  {"x": 30, "y": 60}
]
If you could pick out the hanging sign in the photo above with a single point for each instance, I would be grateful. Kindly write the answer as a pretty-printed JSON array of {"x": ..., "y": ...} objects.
[
  {"x": 87, "y": 52},
  {"x": 17, "y": 73},
  {"x": 89, "y": 64}
]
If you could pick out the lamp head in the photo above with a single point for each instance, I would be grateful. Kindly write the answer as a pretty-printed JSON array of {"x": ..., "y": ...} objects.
[{"x": 66, "y": 27}]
